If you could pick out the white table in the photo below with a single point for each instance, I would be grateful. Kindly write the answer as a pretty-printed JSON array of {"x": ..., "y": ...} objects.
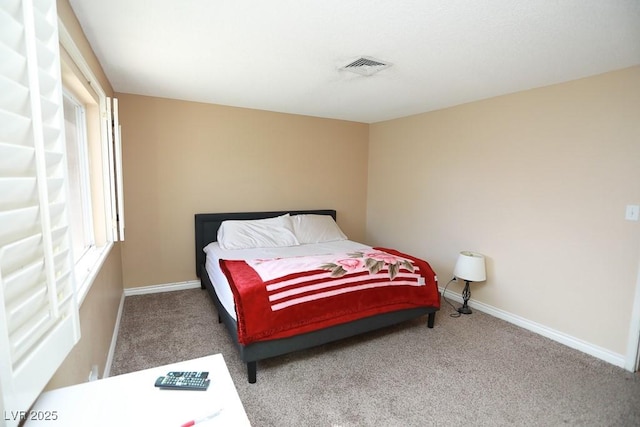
[{"x": 133, "y": 400}]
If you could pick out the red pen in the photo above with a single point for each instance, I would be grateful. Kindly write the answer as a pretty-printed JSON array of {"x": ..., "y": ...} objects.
[{"x": 199, "y": 420}]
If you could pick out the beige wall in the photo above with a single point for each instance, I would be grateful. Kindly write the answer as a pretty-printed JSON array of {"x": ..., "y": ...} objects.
[
  {"x": 99, "y": 310},
  {"x": 538, "y": 181},
  {"x": 182, "y": 158}
]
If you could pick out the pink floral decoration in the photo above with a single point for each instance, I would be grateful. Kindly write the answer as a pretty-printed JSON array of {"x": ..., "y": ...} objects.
[
  {"x": 382, "y": 256},
  {"x": 350, "y": 264}
]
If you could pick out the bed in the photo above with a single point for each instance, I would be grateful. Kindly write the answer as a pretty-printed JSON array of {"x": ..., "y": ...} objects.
[{"x": 238, "y": 307}]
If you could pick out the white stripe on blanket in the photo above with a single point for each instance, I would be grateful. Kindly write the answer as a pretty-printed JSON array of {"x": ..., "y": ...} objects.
[
  {"x": 401, "y": 279},
  {"x": 312, "y": 297}
]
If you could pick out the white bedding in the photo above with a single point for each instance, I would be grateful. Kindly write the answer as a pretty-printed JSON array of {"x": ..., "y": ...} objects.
[{"x": 215, "y": 253}]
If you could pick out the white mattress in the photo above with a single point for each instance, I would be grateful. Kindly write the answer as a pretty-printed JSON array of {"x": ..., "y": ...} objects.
[{"x": 215, "y": 253}]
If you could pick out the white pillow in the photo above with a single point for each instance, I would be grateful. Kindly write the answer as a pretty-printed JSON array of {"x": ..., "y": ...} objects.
[
  {"x": 257, "y": 233},
  {"x": 310, "y": 228}
]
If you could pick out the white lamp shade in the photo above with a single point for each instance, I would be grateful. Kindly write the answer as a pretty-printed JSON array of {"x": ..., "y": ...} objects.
[{"x": 470, "y": 266}]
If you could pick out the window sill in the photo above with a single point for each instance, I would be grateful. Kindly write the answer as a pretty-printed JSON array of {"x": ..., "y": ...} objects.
[{"x": 88, "y": 268}]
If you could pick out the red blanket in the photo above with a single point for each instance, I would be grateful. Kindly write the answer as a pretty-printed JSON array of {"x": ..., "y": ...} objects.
[{"x": 338, "y": 290}]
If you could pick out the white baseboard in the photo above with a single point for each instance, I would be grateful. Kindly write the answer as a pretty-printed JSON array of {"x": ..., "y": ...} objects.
[
  {"x": 114, "y": 340},
  {"x": 167, "y": 287},
  {"x": 568, "y": 340}
]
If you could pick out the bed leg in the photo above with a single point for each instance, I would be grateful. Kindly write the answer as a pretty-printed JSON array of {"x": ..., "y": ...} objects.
[
  {"x": 431, "y": 320},
  {"x": 251, "y": 372},
  {"x": 219, "y": 319}
]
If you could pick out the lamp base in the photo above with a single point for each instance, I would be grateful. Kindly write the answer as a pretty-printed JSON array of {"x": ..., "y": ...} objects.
[
  {"x": 466, "y": 294},
  {"x": 464, "y": 310}
]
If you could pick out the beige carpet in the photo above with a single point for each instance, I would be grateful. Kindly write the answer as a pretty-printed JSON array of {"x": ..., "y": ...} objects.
[{"x": 474, "y": 370}]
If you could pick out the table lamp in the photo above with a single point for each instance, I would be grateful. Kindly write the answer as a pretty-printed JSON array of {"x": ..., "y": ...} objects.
[{"x": 470, "y": 268}]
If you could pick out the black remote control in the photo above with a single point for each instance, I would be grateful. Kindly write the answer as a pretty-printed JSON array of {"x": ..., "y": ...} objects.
[
  {"x": 190, "y": 374},
  {"x": 183, "y": 382}
]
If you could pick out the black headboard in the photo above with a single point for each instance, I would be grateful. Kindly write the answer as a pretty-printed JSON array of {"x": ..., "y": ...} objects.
[{"x": 207, "y": 225}]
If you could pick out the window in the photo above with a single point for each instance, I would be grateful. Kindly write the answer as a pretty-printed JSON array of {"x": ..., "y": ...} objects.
[
  {"x": 57, "y": 197},
  {"x": 80, "y": 212},
  {"x": 88, "y": 140}
]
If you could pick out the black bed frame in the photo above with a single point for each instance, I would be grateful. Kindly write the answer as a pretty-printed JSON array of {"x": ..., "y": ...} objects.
[{"x": 206, "y": 230}]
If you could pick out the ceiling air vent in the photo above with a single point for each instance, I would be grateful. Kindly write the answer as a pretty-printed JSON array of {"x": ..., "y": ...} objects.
[{"x": 366, "y": 66}]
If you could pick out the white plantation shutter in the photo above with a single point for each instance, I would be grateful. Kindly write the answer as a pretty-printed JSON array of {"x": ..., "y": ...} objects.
[
  {"x": 117, "y": 136},
  {"x": 115, "y": 169},
  {"x": 38, "y": 309}
]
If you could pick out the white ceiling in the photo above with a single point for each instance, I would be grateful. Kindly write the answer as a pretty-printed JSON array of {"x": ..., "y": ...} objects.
[{"x": 285, "y": 55}]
